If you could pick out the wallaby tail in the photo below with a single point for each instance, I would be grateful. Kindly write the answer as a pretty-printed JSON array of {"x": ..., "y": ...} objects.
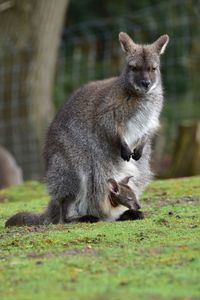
[{"x": 26, "y": 219}]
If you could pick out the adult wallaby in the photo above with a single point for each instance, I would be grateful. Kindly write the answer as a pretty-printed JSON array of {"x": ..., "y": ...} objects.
[{"x": 104, "y": 131}]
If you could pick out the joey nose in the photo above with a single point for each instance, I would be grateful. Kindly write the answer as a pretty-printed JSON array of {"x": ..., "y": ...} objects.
[
  {"x": 138, "y": 206},
  {"x": 145, "y": 83}
]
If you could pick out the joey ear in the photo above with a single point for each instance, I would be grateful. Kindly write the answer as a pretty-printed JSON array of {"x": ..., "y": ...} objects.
[
  {"x": 126, "y": 180},
  {"x": 161, "y": 43},
  {"x": 113, "y": 186},
  {"x": 126, "y": 42}
]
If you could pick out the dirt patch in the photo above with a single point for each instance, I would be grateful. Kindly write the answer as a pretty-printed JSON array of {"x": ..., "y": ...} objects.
[
  {"x": 88, "y": 251},
  {"x": 21, "y": 230},
  {"x": 163, "y": 201}
]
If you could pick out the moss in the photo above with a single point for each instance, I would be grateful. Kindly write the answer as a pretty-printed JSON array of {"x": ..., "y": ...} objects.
[{"x": 154, "y": 258}]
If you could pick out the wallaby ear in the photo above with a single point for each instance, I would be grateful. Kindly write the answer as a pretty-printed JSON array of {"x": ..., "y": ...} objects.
[
  {"x": 113, "y": 186},
  {"x": 126, "y": 180},
  {"x": 161, "y": 43},
  {"x": 126, "y": 42}
]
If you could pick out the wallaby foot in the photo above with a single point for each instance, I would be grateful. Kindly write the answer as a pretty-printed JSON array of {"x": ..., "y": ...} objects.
[
  {"x": 131, "y": 215},
  {"x": 88, "y": 219},
  {"x": 83, "y": 219}
]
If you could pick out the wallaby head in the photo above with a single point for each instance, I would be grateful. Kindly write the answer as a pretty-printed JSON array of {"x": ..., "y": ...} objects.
[
  {"x": 142, "y": 70},
  {"x": 121, "y": 193}
]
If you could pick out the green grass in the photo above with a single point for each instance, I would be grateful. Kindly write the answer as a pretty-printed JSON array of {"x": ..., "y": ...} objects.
[{"x": 154, "y": 258}]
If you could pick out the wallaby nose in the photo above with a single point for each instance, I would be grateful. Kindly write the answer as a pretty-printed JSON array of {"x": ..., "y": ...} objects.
[
  {"x": 138, "y": 206},
  {"x": 145, "y": 83}
]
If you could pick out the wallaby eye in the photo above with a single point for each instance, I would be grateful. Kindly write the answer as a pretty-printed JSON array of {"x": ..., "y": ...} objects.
[
  {"x": 151, "y": 69},
  {"x": 134, "y": 68}
]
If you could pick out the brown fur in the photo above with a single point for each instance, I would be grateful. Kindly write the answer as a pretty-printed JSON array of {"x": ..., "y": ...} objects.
[{"x": 121, "y": 194}]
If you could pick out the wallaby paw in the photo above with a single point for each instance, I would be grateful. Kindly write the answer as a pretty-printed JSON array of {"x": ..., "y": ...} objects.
[
  {"x": 136, "y": 155},
  {"x": 126, "y": 154}
]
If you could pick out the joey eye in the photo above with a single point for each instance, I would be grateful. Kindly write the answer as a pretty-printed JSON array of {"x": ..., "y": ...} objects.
[{"x": 154, "y": 69}]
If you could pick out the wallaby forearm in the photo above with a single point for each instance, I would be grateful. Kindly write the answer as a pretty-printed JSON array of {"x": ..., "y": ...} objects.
[
  {"x": 114, "y": 135},
  {"x": 137, "y": 152},
  {"x": 122, "y": 145}
]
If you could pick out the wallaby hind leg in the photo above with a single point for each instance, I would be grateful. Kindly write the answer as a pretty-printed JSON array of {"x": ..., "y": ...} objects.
[
  {"x": 64, "y": 206},
  {"x": 64, "y": 186}
]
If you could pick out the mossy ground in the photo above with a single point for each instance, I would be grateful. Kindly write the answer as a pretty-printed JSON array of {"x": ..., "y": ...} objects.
[{"x": 154, "y": 258}]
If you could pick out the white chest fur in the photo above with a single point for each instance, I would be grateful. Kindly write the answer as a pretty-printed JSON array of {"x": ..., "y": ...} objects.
[{"x": 144, "y": 121}]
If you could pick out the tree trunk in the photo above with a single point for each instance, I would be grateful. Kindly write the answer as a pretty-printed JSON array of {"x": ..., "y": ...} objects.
[{"x": 29, "y": 40}]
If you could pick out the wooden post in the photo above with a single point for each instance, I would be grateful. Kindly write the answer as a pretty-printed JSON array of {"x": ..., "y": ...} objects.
[{"x": 186, "y": 158}]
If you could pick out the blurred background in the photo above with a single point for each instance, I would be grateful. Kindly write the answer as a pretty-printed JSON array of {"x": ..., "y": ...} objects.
[{"x": 48, "y": 48}]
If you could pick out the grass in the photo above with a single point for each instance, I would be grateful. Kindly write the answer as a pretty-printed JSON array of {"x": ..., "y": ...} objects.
[{"x": 154, "y": 258}]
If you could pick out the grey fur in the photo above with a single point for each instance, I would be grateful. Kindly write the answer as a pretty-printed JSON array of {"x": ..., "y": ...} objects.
[{"x": 95, "y": 132}]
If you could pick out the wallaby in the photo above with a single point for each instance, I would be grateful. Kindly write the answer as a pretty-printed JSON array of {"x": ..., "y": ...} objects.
[
  {"x": 119, "y": 194},
  {"x": 98, "y": 130},
  {"x": 122, "y": 194},
  {"x": 10, "y": 173}
]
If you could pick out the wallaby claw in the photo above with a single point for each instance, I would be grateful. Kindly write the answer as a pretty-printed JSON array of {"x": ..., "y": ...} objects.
[
  {"x": 136, "y": 155},
  {"x": 126, "y": 154}
]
